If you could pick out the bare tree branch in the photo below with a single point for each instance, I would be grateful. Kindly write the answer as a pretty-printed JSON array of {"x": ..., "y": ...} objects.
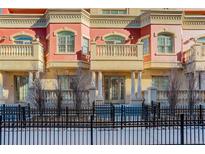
[{"x": 173, "y": 89}]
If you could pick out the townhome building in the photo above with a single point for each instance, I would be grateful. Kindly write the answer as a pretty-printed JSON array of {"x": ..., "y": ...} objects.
[{"x": 124, "y": 51}]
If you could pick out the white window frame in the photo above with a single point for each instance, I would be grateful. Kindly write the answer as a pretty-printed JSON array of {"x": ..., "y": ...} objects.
[
  {"x": 146, "y": 52},
  {"x": 165, "y": 46},
  {"x": 66, "y": 45},
  {"x": 156, "y": 76},
  {"x": 88, "y": 48},
  {"x": 22, "y": 42}
]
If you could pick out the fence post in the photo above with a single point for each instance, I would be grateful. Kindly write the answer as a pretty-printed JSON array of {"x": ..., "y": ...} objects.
[
  {"x": 91, "y": 96},
  {"x": 182, "y": 128},
  {"x": 158, "y": 110},
  {"x": 19, "y": 112},
  {"x": 93, "y": 108},
  {"x": 4, "y": 112},
  {"x": 112, "y": 114},
  {"x": 23, "y": 114},
  {"x": 154, "y": 115},
  {"x": 142, "y": 111},
  {"x": 121, "y": 117},
  {"x": 200, "y": 113},
  {"x": 0, "y": 128},
  {"x": 29, "y": 111},
  {"x": 91, "y": 131}
]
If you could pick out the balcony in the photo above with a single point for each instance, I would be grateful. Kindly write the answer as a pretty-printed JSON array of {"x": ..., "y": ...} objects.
[
  {"x": 14, "y": 57},
  {"x": 194, "y": 58},
  {"x": 117, "y": 57}
]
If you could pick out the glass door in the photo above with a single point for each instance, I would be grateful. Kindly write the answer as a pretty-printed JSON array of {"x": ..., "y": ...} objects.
[
  {"x": 21, "y": 88},
  {"x": 114, "y": 89}
]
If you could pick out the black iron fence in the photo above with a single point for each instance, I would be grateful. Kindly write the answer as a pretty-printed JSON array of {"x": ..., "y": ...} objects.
[{"x": 102, "y": 125}]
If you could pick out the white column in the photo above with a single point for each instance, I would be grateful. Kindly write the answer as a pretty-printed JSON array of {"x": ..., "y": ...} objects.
[
  {"x": 1, "y": 85},
  {"x": 100, "y": 96},
  {"x": 30, "y": 80},
  {"x": 139, "y": 85},
  {"x": 37, "y": 75},
  {"x": 133, "y": 85},
  {"x": 93, "y": 80}
]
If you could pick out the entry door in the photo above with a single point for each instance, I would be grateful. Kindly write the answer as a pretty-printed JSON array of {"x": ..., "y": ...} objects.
[
  {"x": 21, "y": 88},
  {"x": 114, "y": 89}
]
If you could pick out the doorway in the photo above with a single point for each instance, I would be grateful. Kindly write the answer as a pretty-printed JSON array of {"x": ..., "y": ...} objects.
[{"x": 114, "y": 89}]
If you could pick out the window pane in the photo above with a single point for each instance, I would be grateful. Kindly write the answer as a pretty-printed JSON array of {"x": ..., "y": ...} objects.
[
  {"x": 114, "y": 39},
  {"x": 85, "y": 45},
  {"x": 122, "y": 12},
  {"x": 145, "y": 45},
  {"x": 114, "y": 11},
  {"x": 165, "y": 43},
  {"x": 106, "y": 12},
  {"x": 66, "y": 41},
  {"x": 63, "y": 82},
  {"x": 23, "y": 39},
  {"x": 160, "y": 82},
  {"x": 201, "y": 40}
]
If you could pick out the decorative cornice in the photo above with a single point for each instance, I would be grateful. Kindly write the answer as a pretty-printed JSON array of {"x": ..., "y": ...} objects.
[
  {"x": 194, "y": 22},
  {"x": 161, "y": 17},
  {"x": 22, "y": 21},
  {"x": 104, "y": 21},
  {"x": 173, "y": 17}
]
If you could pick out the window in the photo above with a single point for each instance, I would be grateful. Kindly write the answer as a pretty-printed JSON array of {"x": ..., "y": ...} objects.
[
  {"x": 202, "y": 80},
  {"x": 165, "y": 43},
  {"x": 85, "y": 45},
  {"x": 63, "y": 82},
  {"x": 114, "y": 11},
  {"x": 66, "y": 42},
  {"x": 160, "y": 82},
  {"x": 145, "y": 46},
  {"x": 23, "y": 39},
  {"x": 114, "y": 39},
  {"x": 201, "y": 40}
]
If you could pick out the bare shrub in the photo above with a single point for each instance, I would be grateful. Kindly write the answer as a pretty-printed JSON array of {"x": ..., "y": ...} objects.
[
  {"x": 173, "y": 89},
  {"x": 79, "y": 85}
]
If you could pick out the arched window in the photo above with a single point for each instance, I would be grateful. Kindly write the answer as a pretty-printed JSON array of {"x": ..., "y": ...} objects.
[
  {"x": 65, "y": 41},
  {"x": 23, "y": 39},
  {"x": 165, "y": 43},
  {"x": 114, "y": 39},
  {"x": 201, "y": 40}
]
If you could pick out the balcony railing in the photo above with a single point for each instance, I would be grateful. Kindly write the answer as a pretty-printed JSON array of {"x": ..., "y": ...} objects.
[
  {"x": 116, "y": 51},
  {"x": 16, "y": 51},
  {"x": 19, "y": 56},
  {"x": 117, "y": 57},
  {"x": 195, "y": 53},
  {"x": 183, "y": 96}
]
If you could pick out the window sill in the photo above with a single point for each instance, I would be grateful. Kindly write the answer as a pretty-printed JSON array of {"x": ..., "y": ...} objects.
[
  {"x": 71, "y": 53},
  {"x": 165, "y": 54}
]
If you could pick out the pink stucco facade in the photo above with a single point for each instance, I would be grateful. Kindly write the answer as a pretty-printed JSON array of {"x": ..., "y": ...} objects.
[{"x": 126, "y": 61}]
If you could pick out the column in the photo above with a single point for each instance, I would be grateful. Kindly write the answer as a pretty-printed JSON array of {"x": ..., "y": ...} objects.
[
  {"x": 93, "y": 80},
  {"x": 139, "y": 85},
  {"x": 1, "y": 85},
  {"x": 30, "y": 80},
  {"x": 100, "y": 96},
  {"x": 133, "y": 86},
  {"x": 37, "y": 75}
]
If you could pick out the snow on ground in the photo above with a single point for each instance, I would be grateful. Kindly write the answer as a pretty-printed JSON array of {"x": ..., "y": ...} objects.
[{"x": 102, "y": 136}]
